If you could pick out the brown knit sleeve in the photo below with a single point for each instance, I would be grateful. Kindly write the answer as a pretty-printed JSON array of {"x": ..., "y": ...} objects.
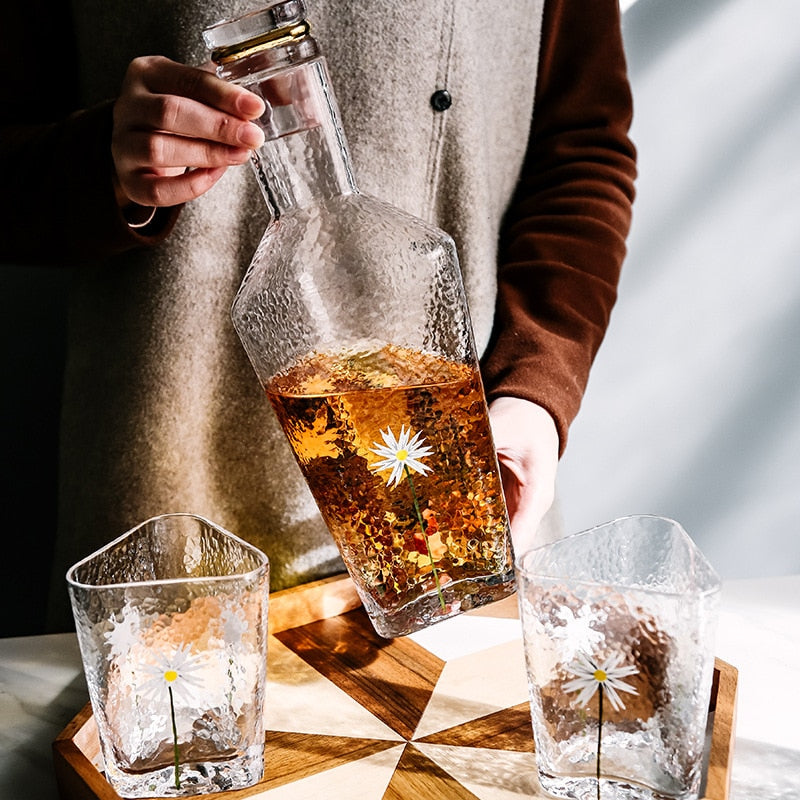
[{"x": 563, "y": 241}]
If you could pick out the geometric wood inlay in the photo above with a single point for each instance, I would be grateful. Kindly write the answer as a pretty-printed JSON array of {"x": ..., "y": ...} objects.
[
  {"x": 392, "y": 678},
  {"x": 289, "y": 757},
  {"x": 416, "y": 776},
  {"x": 509, "y": 729}
]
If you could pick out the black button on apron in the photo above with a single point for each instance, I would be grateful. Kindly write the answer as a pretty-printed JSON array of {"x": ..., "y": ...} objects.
[{"x": 441, "y": 100}]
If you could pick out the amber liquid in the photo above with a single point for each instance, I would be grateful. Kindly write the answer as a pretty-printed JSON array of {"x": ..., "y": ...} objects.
[{"x": 438, "y": 534}]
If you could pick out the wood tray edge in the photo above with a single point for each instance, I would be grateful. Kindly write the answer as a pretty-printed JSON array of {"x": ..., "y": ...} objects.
[
  {"x": 723, "y": 731},
  {"x": 310, "y": 602}
]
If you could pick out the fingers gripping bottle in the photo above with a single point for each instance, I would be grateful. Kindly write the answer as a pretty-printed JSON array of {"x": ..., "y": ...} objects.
[{"x": 354, "y": 317}]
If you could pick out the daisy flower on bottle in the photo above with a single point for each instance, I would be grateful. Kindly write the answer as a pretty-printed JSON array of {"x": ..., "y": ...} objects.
[{"x": 401, "y": 453}]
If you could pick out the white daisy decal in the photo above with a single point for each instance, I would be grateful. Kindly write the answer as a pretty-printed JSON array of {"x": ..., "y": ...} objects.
[
  {"x": 401, "y": 453},
  {"x": 577, "y": 632},
  {"x": 125, "y": 633},
  {"x": 590, "y": 676},
  {"x": 234, "y": 625},
  {"x": 175, "y": 674}
]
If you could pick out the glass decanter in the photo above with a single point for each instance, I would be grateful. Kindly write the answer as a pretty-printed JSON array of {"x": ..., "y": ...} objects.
[{"x": 354, "y": 317}]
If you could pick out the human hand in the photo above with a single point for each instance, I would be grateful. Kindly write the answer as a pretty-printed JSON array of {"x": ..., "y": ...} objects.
[
  {"x": 527, "y": 445},
  {"x": 177, "y": 129}
]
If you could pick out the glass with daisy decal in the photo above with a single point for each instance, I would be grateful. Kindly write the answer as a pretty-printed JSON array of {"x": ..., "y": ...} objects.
[
  {"x": 172, "y": 626},
  {"x": 354, "y": 317},
  {"x": 618, "y": 626}
]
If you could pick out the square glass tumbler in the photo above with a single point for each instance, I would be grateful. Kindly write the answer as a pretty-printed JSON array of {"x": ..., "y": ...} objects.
[
  {"x": 618, "y": 626},
  {"x": 172, "y": 625}
]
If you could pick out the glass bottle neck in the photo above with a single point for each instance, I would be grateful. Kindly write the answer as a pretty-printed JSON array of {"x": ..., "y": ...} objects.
[{"x": 304, "y": 159}]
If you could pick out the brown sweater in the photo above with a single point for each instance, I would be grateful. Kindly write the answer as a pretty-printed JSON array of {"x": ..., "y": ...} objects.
[{"x": 138, "y": 439}]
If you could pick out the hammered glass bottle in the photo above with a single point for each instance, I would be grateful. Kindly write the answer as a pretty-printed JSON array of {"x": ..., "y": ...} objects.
[{"x": 354, "y": 317}]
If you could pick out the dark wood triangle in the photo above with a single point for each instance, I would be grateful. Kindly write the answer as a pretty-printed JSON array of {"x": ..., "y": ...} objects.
[
  {"x": 417, "y": 776},
  {"x": 509, "y": 729}
]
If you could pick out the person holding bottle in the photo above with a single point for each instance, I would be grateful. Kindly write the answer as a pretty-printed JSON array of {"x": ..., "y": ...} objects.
[{"x": 508, "y": 130}]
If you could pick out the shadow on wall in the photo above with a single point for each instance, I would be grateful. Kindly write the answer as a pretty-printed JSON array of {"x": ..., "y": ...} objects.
[
  {"x": 32, "y": 338},
  {"x": 693, "y": 406}
]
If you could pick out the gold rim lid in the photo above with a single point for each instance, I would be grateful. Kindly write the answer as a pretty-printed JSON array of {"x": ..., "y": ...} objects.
[{"x": 272, "y": 26}]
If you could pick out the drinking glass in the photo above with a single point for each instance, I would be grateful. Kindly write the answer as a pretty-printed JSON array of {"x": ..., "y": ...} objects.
[
  {"x": 618, "y": 626},
  {"x": 172, "y": 625}
]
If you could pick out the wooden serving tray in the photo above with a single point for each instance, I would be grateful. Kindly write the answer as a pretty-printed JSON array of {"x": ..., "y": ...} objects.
[{"x": 443, "y": 713}]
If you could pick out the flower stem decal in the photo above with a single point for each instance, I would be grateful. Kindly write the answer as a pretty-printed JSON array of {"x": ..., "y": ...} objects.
[
  {"x": 591, "y": 677},
  {"x": 176, "y": 674},
  {"x": 401, "y": 454},
  {"x": 175, "y": 749}
]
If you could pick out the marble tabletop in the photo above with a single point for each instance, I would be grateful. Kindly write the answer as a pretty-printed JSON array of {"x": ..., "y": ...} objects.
[{"x": 42, "y": 688}]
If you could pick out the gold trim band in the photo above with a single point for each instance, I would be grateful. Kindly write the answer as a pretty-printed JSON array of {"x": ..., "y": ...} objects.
[{"x": 276, "y": 38}]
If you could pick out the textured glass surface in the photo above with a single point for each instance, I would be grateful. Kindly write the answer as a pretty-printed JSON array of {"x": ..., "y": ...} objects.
[
  {"x": 352, "y": 273},
  {"x": 631, "y": 604},
  {"x": 172, "y": 622}
]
